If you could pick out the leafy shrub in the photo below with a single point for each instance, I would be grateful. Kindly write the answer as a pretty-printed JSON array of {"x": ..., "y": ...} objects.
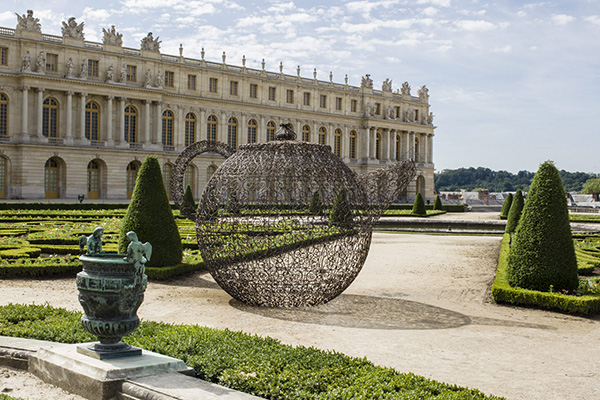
[
  {"x": 543, "y": 252},
  {"x": 445, "y": 207},
  {"x": 437, "y": 204},
  {"x": 514, "y": 214},
  {"x": 149, "y": 215},
  {"x": 261, "y": 366},
  {"x": 419, "y": 206},
  {"x": 20, "y": 252},
  {"x": 188, "y": 197},
  {"x": 315, "y": 207},
  {"x": 506, "y": 206},
  {"x": 341, "y": 214}
]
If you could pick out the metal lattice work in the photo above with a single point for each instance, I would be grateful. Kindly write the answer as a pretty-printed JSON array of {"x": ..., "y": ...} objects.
[{"x": 287, "y": 223}]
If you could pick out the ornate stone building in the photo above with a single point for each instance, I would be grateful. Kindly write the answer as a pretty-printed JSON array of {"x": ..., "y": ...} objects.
[{"x": 78, "y": 117}]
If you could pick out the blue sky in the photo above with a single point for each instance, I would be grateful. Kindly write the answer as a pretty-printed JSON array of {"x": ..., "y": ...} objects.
[{"x": 512, "y": 84}]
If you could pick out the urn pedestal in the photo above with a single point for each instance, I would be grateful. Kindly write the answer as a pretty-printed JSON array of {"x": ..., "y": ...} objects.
[{"x": 111, "y": 290}]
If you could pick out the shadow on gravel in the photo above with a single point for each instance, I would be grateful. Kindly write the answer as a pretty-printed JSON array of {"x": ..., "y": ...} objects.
[{"x": 368, "y": 312}]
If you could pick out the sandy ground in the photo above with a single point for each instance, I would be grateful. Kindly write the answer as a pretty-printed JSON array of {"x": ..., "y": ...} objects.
[{"x": 421, "y": 304}]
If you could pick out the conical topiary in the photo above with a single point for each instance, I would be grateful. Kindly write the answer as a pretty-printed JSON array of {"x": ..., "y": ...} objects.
[
  {"x": 543, "y": 254},
  {"x": 188, "y": 197},
  {"x": 437, "y": 204},
  {"x": 341, "y": 214},
  {"x": 149, "y": 215},
  {"x": 506, "y": 206},
  {"x": 315, "y": 207},
  {"x": 419, "y": 206},
  {"x": 514, "y": 213}
]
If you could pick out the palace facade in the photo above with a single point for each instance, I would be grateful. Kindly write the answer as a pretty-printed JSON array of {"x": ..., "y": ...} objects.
[{"x": 78, "y": 117}]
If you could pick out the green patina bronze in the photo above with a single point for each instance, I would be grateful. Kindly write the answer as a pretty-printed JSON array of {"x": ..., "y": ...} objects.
[{"x": 111, "y": 289}]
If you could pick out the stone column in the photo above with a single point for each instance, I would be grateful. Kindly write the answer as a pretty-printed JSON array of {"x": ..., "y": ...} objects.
[
  {"x": 222, "y": 127},
  {"x": 81, "y": 134},
  {"x": 179, "y": 139},
  {"x": 406, "y": 153},
  {"x": 344, "y": 143},
  {"x": 69, "y": 115},
  {"x": 109, "y": 123},
  {"x": 430, "y": 148},
  {"x": 146, "y": 135},
  {"x": 158, "y": 128},
  {"x": 261, "y": 135},
  {"x": 373, "y": 139},
  {"x": 367, "y": 150},
  {"x": 24, "y": 112},
  {"x": 40, "y": 112},
  {"x": 412, "y": 146},
  {"x": 425, "y": 147},
  {"x": 201, "y": 129},
  {"x": 391, "y": 144},
  {"x": 121, "y": 126},
  {"x": 243, "y": 129}
]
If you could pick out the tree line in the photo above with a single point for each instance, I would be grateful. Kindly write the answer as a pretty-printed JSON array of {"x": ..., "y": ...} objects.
[{"x": 473, "y": 179}]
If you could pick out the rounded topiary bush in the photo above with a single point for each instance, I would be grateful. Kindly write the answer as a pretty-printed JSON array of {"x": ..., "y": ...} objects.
[
  {"x": 188, "y": 197},
  {"x": 514, "y": 213},
  {"x": 506, "y": 206},
  {"x": 419, "y": 206},
  {"x": 437, "y": 204},
  {"x": 543, "y": 254},
  {"x": 149, "y": 215}
]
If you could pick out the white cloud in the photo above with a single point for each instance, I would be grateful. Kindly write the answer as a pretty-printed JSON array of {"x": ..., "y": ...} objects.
[
  {"x": 439, "y": 3},
  {"x": 594, "y": 19},
  {"x": 95, "y": 15},
  {"x": 474, "y": 25},
  {"x": 430, "y": 11},
  {"x": 562, "y": 19},
  {"x": 505, "y": 49},
  {"x": 367, "y": 6},
  {"x": 7, "y": 18}
]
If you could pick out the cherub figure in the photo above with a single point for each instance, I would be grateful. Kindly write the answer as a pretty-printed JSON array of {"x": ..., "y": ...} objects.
[
  {"x": 93, "y": 242},
  {"x": 139, "y": 253}
]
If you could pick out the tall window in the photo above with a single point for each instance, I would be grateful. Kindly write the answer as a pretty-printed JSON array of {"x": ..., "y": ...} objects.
[
  {"x": 131, "y": 73},
  {"x": 378, "y": 146},
  {"x": 306, "y": 101},
  {"x": 232, "y": 126},
  {"x": 132, "y": 171},
  {"x": 289, "y": 96},
  {"x": 270, "y": 131},
  {"x": 51, "y": 178},
  {"x": 353, "y": 105},
  {"x": 92, "y": 118},
  {"x": 212, "y": 85},
  {"x": 210, "y": 172},
  {"x": 189, "y": 178},
  {"x": 211, "y": 128},
  {"x": 377, "y": 108},
  {"x": 252, "y": 127},
  {"x": 51, "y": 62},
  {"x": 233, "y": 88},
  {"x": 306, "y": 133},
  {"x": 190, "y": 129},
  {"x": 93, "y": 181},
  {"x": 130, "y": 124},
  {"x": 397, "y": 111},
  {"x": 167, "y": 169},
  {"x": 50, "y": 117},
  {"x": 2, "y": 178},
  {"x": 397, "y": 147},
  {"x": 253, "y": 90},
  {"x": 169, "y": 78},
  {"x": 3, "y": 55},
  {"x": 93, "y": 67},
  {"x": 322, "y": 135},
  {"x": 167, "y": 128},
  {"x": 191, "y": 82},
  {"x": 337, "y": 142},
  {"x": 3, "y": 114},
  {"x": 352, "y": 144},
  {"x": 323, "y": 101},
  {"x": 272, "y": 93},
  {"x": 338, "y": 103}
]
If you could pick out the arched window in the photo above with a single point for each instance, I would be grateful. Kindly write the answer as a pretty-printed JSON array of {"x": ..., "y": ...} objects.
[
  {"x": 3, "y": 176},
  {"x": 337, "y": 142},
  {"x": 232, "y": 125},
  {"x": 210, "y": 172},
  {"x": 398, "y": 143},
  {"x": 132, "y": 171},
  {"x": 211, "y": 128},
  {"x": 51, "y": 178},
  {"x": 3, "y": 114},
  {"x": 322, "y": 135},
  {"x": 270, "y": 131},
  {"x": 252, "y": 127},
  {"x": 416, "y": 157},
  {"x": 130, "y": 124},
  {"x": 92, "y": 120},
  {"x": 306, "y": 133},
  {"x": 50, "y": 117},
  {"x": 352, "y": 144},
  {"x": 190, "y": 129},
  {"x": 189, "y": 178},
  {"x": 378, "y": 146},
  {"x": 167, "y": 169},
  {"x": 93, "y": 181},
  {"x": 167, "y": 128}
]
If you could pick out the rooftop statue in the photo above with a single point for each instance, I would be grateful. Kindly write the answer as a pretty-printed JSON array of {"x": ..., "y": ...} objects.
[
  {"x": 386, "y": 86},
  {"x": 405, "y": 89},
  {"x": 111, "y": 36},
  {"x": 423, "y": 92},
  {"x": 28, "y": 22},
  {"x": 366, "y": 82},
  {"x": 72, "y": 29},
  {"x": 149, "y": 43}
]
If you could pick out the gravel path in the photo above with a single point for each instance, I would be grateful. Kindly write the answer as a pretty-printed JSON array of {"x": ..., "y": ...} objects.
[{"x": 421, "y": 304}]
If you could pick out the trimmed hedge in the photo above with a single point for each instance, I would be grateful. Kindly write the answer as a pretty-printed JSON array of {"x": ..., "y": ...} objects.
[
  {"x": 260, "y": 366},
  {"x": 21, "y": 252},
  {"x": 506, "y": 206},
  {"x": 514, "y": 213},
  {"x": 165, "y": 273},
  {"x": 419, "y": 205},
  {"x": 437, "y": 204},
  {"x": 502, "y": 292},
  {"x": 445, "y": 207}
]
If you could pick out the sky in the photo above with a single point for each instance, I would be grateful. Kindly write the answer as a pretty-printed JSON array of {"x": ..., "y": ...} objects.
[{"x": 511, "y": 83}]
